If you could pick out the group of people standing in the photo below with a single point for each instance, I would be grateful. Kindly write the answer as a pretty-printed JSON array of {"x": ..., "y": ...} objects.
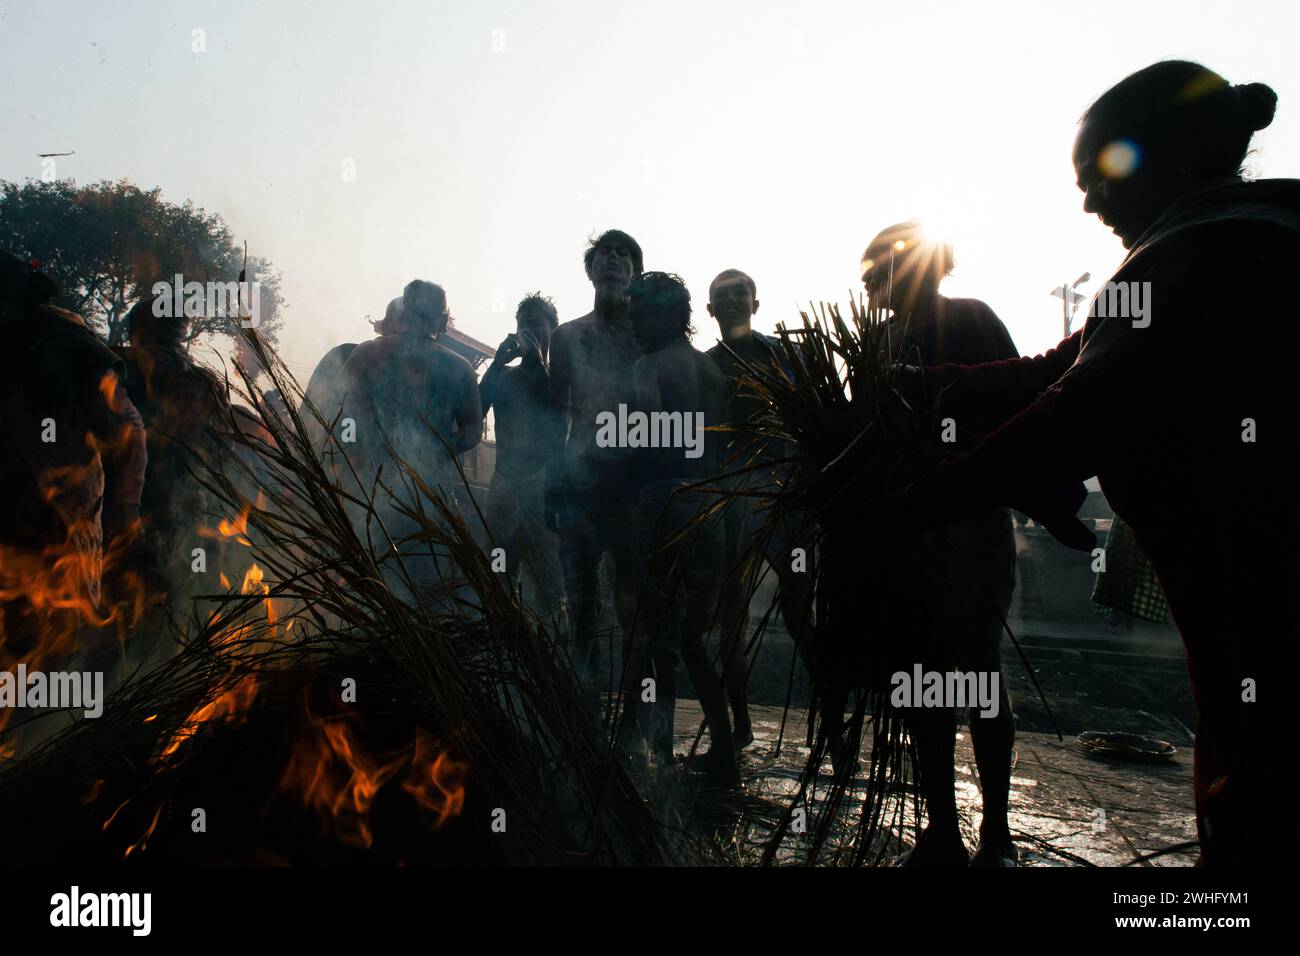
[
  {"x": 1188, "y": 419},
  {"x": 671, "y": 536},
  {"x": 1184, "y": 417}
]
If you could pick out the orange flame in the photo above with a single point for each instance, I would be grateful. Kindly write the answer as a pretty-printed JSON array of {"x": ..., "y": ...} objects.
[
  {"x": 56, "y": 601},
  {"x": 143, "y": 842},
  {"x": 338, "y": 779},
  {"x": 235, "y": 701},
  {"x": 229, "y": 705},
  {"x": 436, "y": 780},
  {"x": 227, "y": 530},
  {"x": 331, "y": 772}
]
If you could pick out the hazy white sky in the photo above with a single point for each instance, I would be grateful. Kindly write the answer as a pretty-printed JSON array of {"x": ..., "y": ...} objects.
[{"x": 490, "y": 139}]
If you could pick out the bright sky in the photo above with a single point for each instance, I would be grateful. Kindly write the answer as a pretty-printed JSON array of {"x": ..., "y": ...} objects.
[{"x": 490, "y": 139}]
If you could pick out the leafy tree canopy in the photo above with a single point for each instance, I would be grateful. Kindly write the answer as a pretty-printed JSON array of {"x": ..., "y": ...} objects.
[{"x": 107, "y": 243}]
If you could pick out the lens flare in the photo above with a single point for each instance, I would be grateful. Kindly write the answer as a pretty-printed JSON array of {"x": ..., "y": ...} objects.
[{"x": 1119, "y": 159}]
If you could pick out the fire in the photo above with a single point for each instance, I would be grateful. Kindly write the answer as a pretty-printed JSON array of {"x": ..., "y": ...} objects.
[
  {"x": 61, "y": 596},
  {"x": 143, "y": 842},
  {"x": 436, "y": 780},
  {"x": 237, "y": 530},
  {"x": 235, "y": 701},
  {"x": 59, "y": 578},
  {"x": 229, "y": 705},
  {"x": 56, "y": 599},
  {"x": 108, "y": 388},
  {"x": 254, "y": 582},
  {"x": 253, "y": 579},
  {"x": 228, "y": 530},
  {"x": 335, "y": 777},
  {"x": 332, "y": 773}
]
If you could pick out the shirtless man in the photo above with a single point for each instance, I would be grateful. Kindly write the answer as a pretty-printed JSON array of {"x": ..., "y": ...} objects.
[
  {"x": 527, "y": 433},
  {"x": 395, "y": 382},
  {"x": 678, "y": 577},
  {"x": 322, "y": 388},
  {"x": 587, "y": 500},
  {"x": 406, "y": 391}
]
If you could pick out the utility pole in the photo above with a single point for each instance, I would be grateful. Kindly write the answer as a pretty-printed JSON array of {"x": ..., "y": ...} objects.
[{"x": 1070, "y": 300}]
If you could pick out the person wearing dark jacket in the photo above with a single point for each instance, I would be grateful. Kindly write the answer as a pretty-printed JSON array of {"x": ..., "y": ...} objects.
[
  {"x": 751, "y": 463},
  {"x": 1177, "y": 395}
]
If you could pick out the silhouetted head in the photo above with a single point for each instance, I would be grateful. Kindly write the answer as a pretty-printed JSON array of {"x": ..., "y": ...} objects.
[
  {"x": 391, "y": 323},
  {"x": 150, "y": 326},
  {"x": 22, "y": 286},
  {"x": 1159, "y": 134},
  {"x": 919, "y": 262},
  {"x": 659, "y": 307},
  {"x": 424, "y": 308},
  {"x": 733, "y": 300},
  {"x": 536, "y": 316},
  {"x": 612, "y": 260}
]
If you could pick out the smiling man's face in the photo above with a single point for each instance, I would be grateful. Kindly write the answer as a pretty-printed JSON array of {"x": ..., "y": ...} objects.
[{"x": 732, "y": 304}]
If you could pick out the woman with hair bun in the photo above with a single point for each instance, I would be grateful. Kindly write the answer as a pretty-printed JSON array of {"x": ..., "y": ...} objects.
[{"x": 1177, "y": 394}]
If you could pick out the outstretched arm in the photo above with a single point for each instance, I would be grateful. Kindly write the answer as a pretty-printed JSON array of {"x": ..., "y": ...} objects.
[
  {"x": 994, "y": 392},
  {"x": 1056, "y": 441}
]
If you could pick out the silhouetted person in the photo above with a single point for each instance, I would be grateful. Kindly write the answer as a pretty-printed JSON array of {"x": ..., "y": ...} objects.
[
  {"x": 1179, "y": 398},
  {"x": 969, "y": 566},
  {"x": 72, "y": 466},
  {"x": 408, "y": 399},
  {"x": 322, "y": 392},
  {"x": 527, "y": 435},
  {"x": 751, "y": 464},
  {"x": 678, "y": 550},
  {"x": 184, "y": 407},
  {"x": 588, "y": 502},
  {"x": 404, "y": 390}
]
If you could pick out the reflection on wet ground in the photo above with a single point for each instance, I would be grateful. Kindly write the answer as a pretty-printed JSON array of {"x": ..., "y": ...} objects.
[{"x": 1067, "y": 808}]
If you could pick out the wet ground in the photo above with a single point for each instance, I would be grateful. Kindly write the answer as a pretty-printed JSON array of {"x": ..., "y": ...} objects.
[{"x": 1068, "y": 808}]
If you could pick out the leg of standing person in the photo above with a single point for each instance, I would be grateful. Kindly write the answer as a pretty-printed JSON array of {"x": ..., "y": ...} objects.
[{"x": 740, "y": 568}]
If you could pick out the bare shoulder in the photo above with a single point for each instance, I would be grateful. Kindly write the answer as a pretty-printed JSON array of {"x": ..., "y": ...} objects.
[
  {"x": 363, "y": 354},
  {"x": 707, "y": 363},
  {"x": 454, "y": 364},
  {"x": 660, "y": 360}
]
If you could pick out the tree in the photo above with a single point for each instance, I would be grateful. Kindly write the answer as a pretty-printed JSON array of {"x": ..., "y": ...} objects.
[{"x": 108, "y": 243}]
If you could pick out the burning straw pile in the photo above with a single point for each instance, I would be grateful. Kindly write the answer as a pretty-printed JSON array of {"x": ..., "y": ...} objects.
[
  {"x": 840, "y": 404},
  {"x": 312, "y": 714}
]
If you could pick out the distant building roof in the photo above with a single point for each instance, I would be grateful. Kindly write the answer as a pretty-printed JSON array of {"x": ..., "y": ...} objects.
[{"x": 467, "y": 347}]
